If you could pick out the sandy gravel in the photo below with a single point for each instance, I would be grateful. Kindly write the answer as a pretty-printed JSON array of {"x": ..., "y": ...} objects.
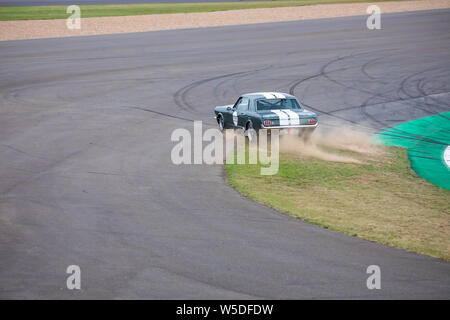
[{"x": 31, "y": 29}]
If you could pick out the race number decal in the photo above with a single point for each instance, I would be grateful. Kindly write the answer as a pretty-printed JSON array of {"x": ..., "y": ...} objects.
[{"x": 235, "y": 118}]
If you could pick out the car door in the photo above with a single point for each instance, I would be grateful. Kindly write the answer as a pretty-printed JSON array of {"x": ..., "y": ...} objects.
[
  {"x": 230, "y": 116},
  {"x": 242, "y": 112}
]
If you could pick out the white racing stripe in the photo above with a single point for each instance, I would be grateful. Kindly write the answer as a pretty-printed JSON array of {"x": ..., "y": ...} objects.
[
  {"x": 272, "y": 95},
  {"x": 278, "y": 95},
  {"x": 284, "y": 118},
  {"x": 266, "y": 95},
  {"x": 293, "y": 116}
]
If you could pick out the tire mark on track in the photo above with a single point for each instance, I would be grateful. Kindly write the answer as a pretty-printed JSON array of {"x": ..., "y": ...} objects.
[
  {"x": 180, "y": 96},
  {"x": 323, "y": 72},
  {"x": 295, "y": 84},
  {"x": 165, "y": 114},
  {"x": 366, "y": 65},
  {"x": 409, "y": 96},
  {"x": 438, "y": 103}
]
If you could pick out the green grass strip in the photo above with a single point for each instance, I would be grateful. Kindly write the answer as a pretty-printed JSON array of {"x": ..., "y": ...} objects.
[
  {"x": 59, "y": 12},
  {"x": 381, "y": 200}
]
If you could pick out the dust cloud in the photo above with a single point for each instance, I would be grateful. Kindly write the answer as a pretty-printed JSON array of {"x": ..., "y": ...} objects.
[{"x": 340, "y": 144}]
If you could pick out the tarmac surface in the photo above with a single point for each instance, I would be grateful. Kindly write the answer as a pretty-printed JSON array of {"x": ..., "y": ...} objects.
[{"x": 86, "y": 176}]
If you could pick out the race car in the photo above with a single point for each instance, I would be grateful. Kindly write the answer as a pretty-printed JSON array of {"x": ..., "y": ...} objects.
[{"x": 266, "y": 110}]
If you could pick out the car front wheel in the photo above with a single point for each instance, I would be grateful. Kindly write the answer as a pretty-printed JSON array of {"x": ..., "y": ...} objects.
[{"x": 221, "y": 123}]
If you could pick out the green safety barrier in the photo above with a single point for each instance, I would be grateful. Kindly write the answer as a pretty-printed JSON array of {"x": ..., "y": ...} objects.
[{"x": 427, "y": 140}]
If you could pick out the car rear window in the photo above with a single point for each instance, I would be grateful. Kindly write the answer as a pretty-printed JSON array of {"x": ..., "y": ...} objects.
[{"x": 274, "y": 104}]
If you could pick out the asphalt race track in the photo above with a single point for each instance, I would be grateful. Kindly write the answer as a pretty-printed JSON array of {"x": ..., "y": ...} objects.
[
  {"x": 86, "y": 176},
  {"x": 14, "y": 3}
]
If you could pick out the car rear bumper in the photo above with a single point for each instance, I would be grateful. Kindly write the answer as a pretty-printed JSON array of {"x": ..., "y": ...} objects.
[{"x": 312, "y": 126}]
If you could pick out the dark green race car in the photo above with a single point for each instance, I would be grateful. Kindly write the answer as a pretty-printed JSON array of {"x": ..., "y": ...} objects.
[{"x": 266, "y": 110}]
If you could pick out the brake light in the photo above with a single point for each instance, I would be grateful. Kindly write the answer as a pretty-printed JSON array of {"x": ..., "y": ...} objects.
[
  {"x": 312, "y": 121},
  {"x": 268, "y": 123}
]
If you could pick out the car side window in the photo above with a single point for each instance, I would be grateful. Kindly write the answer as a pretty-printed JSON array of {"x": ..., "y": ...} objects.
[
  {"x": 237, "y": 103},
  {"x": 242, "y": 105}
]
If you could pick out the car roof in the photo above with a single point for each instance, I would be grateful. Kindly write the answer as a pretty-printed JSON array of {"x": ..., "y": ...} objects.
[{"x": 268, "y": 95}]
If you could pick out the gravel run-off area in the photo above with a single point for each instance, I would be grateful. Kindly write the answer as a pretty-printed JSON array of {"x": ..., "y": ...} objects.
[{"x": 32, "y": 29}]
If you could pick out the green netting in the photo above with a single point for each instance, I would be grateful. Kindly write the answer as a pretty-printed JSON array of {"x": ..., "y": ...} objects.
[{"x": 426, "y": 139}]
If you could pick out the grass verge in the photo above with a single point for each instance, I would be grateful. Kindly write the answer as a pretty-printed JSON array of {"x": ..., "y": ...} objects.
[
  {"x": 59, "y": 12},
  {"x": 381, "y": 200}
]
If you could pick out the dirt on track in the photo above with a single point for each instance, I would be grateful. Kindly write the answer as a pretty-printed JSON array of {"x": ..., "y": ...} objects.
[
  {"x": 33, "y": 29},
  {"x": 343, "y": 138}
]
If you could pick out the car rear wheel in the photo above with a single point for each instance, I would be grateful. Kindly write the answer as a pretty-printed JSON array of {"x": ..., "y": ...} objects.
[
  {"x": 250, "y": 133},
  {"x": 306, "y": 133}
]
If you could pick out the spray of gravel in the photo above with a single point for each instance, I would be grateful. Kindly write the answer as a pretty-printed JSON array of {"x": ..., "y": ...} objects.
[{"x": 324, "y": 142}]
